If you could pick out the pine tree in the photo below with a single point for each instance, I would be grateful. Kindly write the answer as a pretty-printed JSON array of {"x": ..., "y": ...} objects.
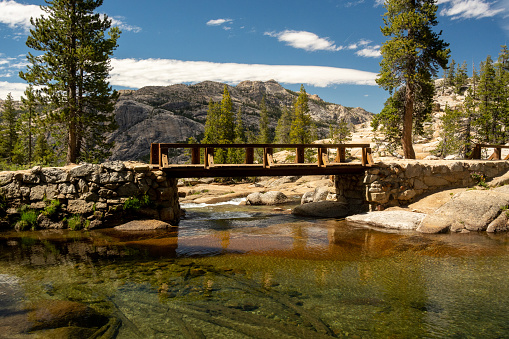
[
  {"x": 263, "y": 124},
  {"x": 300, "y": 130},
  {"x": 486, "y": 123},
  {"x": 8, "y": 133},
  {"x": 211, "y": 135},
  {"x": 451, "y": 72},
  {"x": 451, "y": 141},
  {"x": 26, "y": 127},
  {"x": 238, "y": 154},
  {"x": 411, "y": 57},
  {"x": 341, "y": 133},
  {"x": 72, "y": 71},
  {"x": 283, "y": 127},
  {"x": 460, "y": 78}
]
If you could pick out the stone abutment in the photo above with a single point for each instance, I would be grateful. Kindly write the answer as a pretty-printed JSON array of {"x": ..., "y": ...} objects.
[
  {"x": 101, "y": 194},
  {"x": 403, "y": 181}
]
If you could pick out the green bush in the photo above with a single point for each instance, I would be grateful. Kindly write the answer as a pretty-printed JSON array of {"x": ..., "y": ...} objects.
[
  {"x": 75, "y": 222},
  {"x": 135, "y": 203},
  {"x": 52, "y": 209},
  {"x": 28, "y": 219}
]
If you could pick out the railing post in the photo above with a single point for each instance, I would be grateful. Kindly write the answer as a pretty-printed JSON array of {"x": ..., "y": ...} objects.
[
  {"x": 476, "y": 153},
  {"x": 249, "y": 155},
  {"x": 299, "y": 155},
  {"x": 154, "y": 154},
  {"x": 267, "y": 157},
  {"x": 209, "y": 157},
  {"x": 341, "y": 155},
  {"x": 497, "y": 153},
  {"x": 364, "y": 156},
  {"x": 195, "y": 155},
  {"x": 320, "y": 155}
]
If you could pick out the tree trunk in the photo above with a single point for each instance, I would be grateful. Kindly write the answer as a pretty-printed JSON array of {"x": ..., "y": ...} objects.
[{"x": 406, "y": 139}]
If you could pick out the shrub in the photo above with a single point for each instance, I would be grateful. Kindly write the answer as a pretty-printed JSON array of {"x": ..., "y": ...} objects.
[
  {"x": 75, "y": 222},
  {"x": 479, "y": 179},
  {"x": 28, "y": 219},
  {"x": 134, "y": 203},
  {"x": 52, "y": 208}
]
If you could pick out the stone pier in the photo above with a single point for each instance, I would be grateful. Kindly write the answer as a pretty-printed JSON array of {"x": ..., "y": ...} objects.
[
  {"x": 96, "y": 192},
  {"x": 401, "y": 182}
]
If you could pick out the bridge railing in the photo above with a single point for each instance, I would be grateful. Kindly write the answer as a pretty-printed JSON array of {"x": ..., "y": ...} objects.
[
  {"x": 159, "y": 154},
  {"x": 497, "y": 152}
]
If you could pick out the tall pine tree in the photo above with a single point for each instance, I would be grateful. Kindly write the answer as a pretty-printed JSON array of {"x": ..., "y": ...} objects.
[
  {"x": 72, "y": 71},
  {"x": 263, "y": 124},
  {"x": 411, "y": 57},
  {"x": 8, "y": 133},
  {"x": 301, "y": 127}
]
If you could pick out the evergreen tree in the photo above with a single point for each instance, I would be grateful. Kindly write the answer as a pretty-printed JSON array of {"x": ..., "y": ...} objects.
[
  {"x": 72, "y": 71},
  {"x": 264, "y": 134},
  {"x": 300, "y": 130},
  {"x": 410, "y": 58},
  {"x": 27, "y": 127},
  {"x": 226, "y": 121},
  {"x": 238, "y": 154},
  {"x": 283, "y": 127},
  {"x": 461, "y": 77},
  {"x": 341, "y": 133},
  {"x": 211, "y": 135},
  {"x": 8, "y": 133},
  {"x": 451, "y": 141},
  {"x": 451, "y": 72},
  {"x": 486, "y": 121}
]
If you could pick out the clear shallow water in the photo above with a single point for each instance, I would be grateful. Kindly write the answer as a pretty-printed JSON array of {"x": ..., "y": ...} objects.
[{"x": 249, "y": 271}]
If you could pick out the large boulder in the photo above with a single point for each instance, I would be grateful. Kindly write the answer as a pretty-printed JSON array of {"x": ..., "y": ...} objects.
[
  {"x": 322, "y": 209},
  {"x": 268, "y": 198},
  {"x": 401, "y": 220},
  {"x": 471, "y": 210}
]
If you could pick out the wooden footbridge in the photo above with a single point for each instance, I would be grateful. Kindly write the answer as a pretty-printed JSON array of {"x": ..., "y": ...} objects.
[{"x": 203, "y": 165}]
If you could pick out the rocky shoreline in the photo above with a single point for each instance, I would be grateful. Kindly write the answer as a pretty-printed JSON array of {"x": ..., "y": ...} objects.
[{"x": 458, "y": 210}]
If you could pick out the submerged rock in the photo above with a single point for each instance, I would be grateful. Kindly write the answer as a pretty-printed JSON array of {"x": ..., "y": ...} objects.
[
  {"x": 322, "y": 209},
  {"x": 401, "y": 220},
  {"x": 143, "y": 225}
]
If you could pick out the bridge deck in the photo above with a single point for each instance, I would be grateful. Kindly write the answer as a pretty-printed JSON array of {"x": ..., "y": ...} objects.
[{"x": 202, "y": 160}]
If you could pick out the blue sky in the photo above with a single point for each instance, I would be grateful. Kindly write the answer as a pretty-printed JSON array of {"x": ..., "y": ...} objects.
[{"x": 330, "y": 46}]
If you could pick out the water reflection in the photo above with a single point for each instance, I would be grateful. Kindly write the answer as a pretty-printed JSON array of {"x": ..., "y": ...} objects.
[{"x": 266, "y": 275}]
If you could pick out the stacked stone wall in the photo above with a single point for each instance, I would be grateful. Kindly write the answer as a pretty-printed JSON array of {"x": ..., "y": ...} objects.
[
  {"x": 402, "y": 182},
  {"x": 97, "y": 192}
]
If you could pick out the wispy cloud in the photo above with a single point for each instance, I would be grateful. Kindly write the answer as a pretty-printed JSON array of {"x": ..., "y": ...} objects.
[
  {"x": 17, "y": 16},
  {"x": 304, "y": 40},
  {"x": 135, "y": 73},
  {"x": 469, "y": 9},
  {"x": 119, "y": 21},
  {"x": 218, "y": 22}
]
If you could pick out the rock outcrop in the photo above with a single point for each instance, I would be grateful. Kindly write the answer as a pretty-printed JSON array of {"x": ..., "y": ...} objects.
[
  {"x": 401, "y": 220},
  {"x": 175, "y": 113},
  {"x": 322, "y": 209}
]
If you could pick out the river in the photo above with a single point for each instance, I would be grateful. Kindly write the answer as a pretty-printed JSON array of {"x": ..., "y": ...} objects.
[{"x": 254, "y": 271}]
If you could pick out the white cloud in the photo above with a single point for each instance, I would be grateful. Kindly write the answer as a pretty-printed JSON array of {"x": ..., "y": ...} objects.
[
  {"x": 370, "y": 52},
  {"x": 134, "y": 73},
  {"x": 16, "y": 15},
  {"x": 379, "y": 3},
  {"x": 16, "y": 89},
  {"x": 469, "y": 9},
  {"x": 304, "y": 40},
  {"x": 218, "y": 22}
]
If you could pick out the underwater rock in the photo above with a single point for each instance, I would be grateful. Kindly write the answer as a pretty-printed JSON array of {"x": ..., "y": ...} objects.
[
  {"x": 322, "y": 209},
  {"x": 402, "y": 220},
  {"x": 143, "y": 225}
]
